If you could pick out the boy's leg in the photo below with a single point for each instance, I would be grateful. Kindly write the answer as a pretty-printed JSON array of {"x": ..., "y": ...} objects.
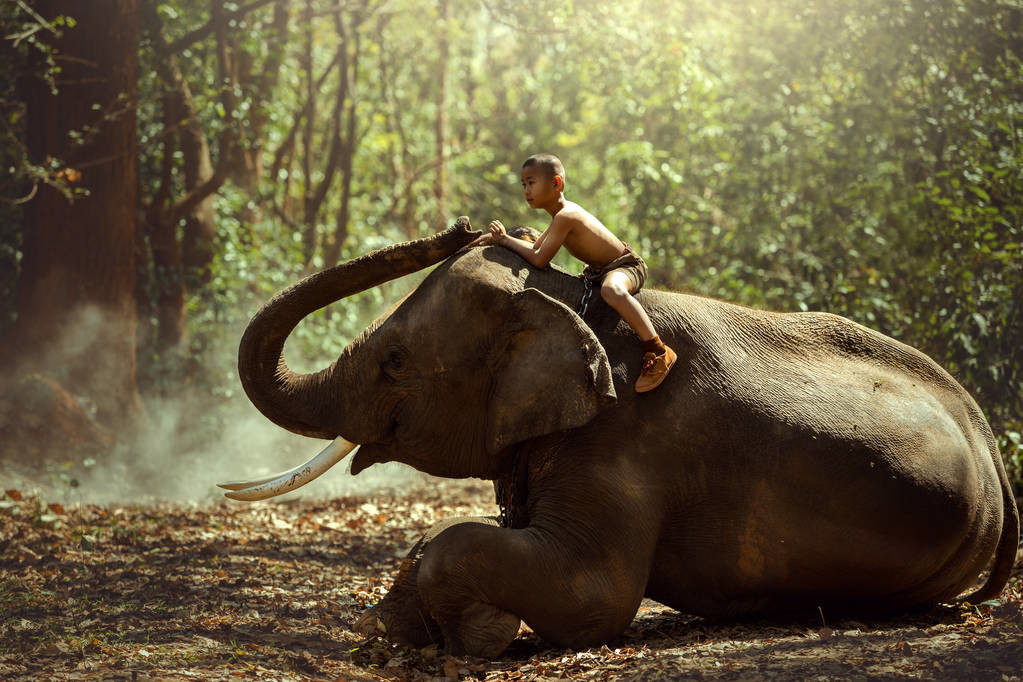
[
  {"x": 615, "y": 290},
  {"x": 659, "y": 358}
]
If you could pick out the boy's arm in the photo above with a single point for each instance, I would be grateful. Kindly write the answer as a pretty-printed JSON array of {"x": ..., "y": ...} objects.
[
  {"x": 540, "y": 240},
  {"x": 540, "y": 252}
]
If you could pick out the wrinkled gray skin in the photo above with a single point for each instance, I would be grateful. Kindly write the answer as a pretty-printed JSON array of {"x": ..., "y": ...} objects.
[{"x": 788, "y": 461}]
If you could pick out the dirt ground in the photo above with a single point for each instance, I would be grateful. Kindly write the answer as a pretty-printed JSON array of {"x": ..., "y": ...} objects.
[{"x": 270, "y": 590}]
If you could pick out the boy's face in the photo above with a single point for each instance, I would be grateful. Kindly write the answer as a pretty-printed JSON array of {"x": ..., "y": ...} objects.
[{"x": 540, "y": 187}]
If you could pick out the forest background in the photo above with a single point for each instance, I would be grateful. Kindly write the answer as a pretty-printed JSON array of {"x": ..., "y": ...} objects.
[{"x": 168, "y": 166}]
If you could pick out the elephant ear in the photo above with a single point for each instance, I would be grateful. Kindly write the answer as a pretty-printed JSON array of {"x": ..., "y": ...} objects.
[{"x": 551, "y": 373}]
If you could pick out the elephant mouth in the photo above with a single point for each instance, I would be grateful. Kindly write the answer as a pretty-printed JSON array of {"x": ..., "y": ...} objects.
[{"x": 366, "y": 454}]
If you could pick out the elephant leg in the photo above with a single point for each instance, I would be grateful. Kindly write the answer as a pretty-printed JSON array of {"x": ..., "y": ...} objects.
[
  {"x": 401, "y": 615},
  {"x": 478, "y": 580}
]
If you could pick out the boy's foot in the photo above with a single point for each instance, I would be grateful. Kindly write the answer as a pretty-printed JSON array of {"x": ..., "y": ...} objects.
[{"x": 655, "y": 368}]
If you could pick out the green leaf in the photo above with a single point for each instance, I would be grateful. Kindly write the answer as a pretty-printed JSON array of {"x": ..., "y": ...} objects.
[{"x": 980, "y": 193}]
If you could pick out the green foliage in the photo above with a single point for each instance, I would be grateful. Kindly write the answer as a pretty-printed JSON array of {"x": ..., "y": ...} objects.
[{"x": 861, "y": 158}]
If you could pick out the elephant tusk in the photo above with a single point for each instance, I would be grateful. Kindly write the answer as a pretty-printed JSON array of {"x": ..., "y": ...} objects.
[
  {"x": 278, "y": 484},
  {"x": 242, "y": 485}
]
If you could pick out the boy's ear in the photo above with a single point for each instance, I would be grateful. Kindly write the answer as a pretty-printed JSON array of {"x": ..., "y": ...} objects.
[{"x": 559, "y": 182}]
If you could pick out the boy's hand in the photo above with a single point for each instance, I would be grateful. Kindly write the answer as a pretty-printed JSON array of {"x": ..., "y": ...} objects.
[
  {"x": 497, "y": 232},
  {"x": 496, "y": 235}
]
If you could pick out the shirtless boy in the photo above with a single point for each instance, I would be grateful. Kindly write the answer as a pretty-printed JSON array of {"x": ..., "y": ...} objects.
[{"x": 609, "y": 261}]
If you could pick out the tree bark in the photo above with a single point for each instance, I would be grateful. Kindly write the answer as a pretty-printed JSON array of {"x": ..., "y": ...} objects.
[
  {"x": 76, "y": 303},
  {"x": 441, "y": 188},
  {"x": 163, "y": 242},
  {"x": 248, "y": 170},
  {"x": 309, "y": 217},
  {"x": 349, "y": 75},
  {"x": 181, "y": 264}
]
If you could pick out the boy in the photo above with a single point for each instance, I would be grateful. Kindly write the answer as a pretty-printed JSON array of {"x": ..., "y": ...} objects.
[{"x": 609, "y": 261}]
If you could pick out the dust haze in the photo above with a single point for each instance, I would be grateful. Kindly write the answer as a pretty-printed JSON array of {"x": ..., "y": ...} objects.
[
  {"x": 157, "y": 468},
  {"x": 180, "y": 449}
]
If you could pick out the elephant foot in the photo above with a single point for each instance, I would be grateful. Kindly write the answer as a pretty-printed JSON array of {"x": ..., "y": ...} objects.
[
  {"x": 400, "y": 616},
  {"x": 410, "y": 627},
  {"x": 482, "y": 630},
  {"x": 369, "y": 624}
]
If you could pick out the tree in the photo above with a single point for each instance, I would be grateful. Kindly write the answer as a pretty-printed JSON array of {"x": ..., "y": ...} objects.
[
  {"x": 339, "y": 133},
  {"x": 187, "y": 177},
  {"x": 75, "y": 300},
  {"x": 440, "y": 188}
]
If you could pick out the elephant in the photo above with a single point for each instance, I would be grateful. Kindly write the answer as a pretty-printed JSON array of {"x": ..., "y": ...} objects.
[{"x": 790, "y": 462}]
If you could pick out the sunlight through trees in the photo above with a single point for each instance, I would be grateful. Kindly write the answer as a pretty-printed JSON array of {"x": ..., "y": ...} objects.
[{"x": 859, "y": 158}]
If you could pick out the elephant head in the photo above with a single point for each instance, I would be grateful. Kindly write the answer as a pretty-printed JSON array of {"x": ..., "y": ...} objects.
[{"x": 468, "y": 364}]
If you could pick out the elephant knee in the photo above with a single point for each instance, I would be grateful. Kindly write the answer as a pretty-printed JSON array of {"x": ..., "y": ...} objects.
[
  {"x": 442, "y": 579},
  {"x": 437, "y": 553},
  {"x": 432, "y": 568},
  {"x": 449, "y": 591}
]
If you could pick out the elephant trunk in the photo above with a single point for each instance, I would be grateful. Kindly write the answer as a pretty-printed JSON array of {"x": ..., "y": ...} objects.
[{"x": 298, "y": 402}]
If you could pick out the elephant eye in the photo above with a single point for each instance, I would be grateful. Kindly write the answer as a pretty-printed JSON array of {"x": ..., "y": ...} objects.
[{"x": 396, "y": 362}]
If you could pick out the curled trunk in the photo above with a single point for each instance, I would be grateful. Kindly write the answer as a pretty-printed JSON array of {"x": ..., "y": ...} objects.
[{"x": 300, "y": 402}]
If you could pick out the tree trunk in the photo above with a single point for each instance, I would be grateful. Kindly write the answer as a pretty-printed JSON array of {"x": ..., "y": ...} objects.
[
  {"x": 184, "y": 264},
  {"x": 248, "y": 170},
  {"x": 76, "y": 303},
  {"x": 306, "y": 63},
  {"x": 197, "y": 242},
  {"x": 168, "y": 274},
  {"x": 441, "y": 188},
  {"x": 350, "y": 75}
]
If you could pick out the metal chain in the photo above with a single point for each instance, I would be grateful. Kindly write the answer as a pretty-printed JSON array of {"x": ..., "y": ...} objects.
[
  {"x": 501, "y": 493},
  {"x": 584, "y": 302},
  {"x": 506, "y": 496}
]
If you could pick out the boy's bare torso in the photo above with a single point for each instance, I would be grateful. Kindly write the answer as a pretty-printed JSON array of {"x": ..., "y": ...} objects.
[{"x": 586, "y": 237}]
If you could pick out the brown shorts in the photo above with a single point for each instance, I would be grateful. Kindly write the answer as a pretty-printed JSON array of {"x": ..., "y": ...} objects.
[{"x": 629, "y": 262}]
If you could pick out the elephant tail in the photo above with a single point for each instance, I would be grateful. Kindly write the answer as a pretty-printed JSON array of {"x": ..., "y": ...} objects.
[{"x": 1008, "y": 542}]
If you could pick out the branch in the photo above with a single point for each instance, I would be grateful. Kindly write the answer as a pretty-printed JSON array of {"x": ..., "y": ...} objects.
[
  {"x": 186, "y": 204},
  {"x": 197, "y": 34},
  {"x": 22, "y": 200},
  {"x": 351, "y": 141},
  {"x": 337, "y": 139},
  {"x": 43, "y": 23},
  {"x": 289, "y": 140},
  {"x": 270, "y": 73},
  {"x": 279, "y": 212}
]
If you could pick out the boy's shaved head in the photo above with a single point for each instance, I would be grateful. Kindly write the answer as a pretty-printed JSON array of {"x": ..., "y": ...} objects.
[{"x": 548, "y": 162}]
